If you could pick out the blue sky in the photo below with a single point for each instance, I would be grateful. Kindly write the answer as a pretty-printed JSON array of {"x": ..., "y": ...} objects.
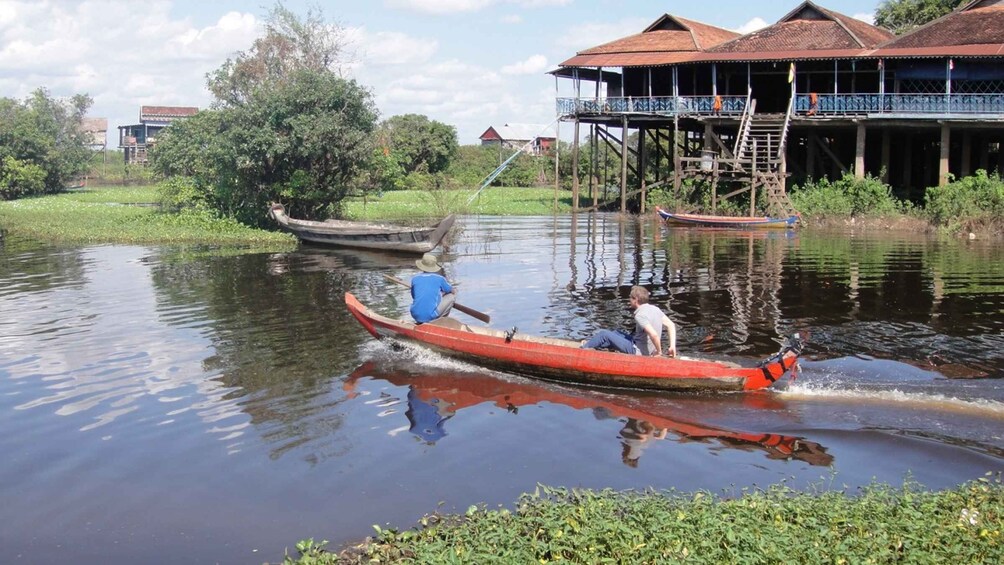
[{"x": 468, "y": 63}]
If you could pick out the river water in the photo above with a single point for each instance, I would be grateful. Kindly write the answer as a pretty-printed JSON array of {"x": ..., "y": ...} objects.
[{"x": 166, "y": 405}]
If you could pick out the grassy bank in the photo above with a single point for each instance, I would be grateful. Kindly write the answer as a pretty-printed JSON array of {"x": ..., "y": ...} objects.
[
  {"x": 878, "y": 524},
  {"x": 124, "y": 215},
  {"x": 494, "y": 201}
]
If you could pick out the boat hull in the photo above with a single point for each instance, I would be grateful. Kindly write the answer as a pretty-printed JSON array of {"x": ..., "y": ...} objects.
[
  {"x": 364, "y": 235},
  {"x": 737, "y": 222},
  {"x": 564, "y": 361}
]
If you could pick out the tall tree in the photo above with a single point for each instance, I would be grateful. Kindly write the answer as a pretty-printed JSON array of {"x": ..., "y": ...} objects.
[
  {"x": 419, "y": 144},
  {"x": 42, "y": 134},
  {"x": 286, "y": 126},
  {"x": 900, "y": 16}
]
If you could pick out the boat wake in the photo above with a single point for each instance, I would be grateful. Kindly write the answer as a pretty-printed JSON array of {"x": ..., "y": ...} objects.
[{"x": 983, "y": 408}]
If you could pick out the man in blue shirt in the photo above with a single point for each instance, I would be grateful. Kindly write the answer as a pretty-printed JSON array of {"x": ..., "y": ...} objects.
[{"x": 432, "y": 295}]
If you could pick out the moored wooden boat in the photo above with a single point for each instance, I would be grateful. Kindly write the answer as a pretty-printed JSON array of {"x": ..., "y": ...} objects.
[
  {"x": 343, "y": 233},
  {"x": 563, "y": 360},
  {"x": 735, "y": 222}
]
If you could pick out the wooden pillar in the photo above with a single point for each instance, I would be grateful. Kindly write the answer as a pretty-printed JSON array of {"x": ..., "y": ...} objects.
[
  {"x": 642, "y": 165},
  {"x": 967, "y": 154},
  {"x": 575, "y": 165},
  {"x": 810, "y": 156},
  {"x": 908, "y": 164},
  {"x": 557, "y": 152},
  {"x": 624, "y": 162},
  {"x": 859, "y": 153},
  {"x": 592, "y": 163},
  {"x": 596, "y": 165},
  {"x": 943, "y": 161},
  {"x": 886, "y": 148},
  {"x": 985, "y": 152}
]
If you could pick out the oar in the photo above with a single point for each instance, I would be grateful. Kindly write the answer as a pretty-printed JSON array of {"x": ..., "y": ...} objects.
[{"x": 469, "y": 311}]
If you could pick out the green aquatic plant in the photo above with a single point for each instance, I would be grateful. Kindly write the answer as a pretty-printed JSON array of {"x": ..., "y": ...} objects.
[{"x": 874, "y": 524}]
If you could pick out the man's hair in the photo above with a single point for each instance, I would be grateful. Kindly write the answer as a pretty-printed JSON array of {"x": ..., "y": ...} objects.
[{"x": 640, "y": 294}]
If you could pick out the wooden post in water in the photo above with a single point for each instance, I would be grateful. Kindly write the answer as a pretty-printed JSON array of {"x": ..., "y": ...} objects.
[
  {"x": 859, "y": 153},
  {"x": 943, "y": 161},
  {"x": 575, "y": 165},
  {"x": 624, "y": 162}
]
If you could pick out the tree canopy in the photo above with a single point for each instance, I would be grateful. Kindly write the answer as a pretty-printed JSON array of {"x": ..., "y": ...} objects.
[
  {"x": 418, "y": 144},
  {"x": 285, "y": 127},
  {"x": 42, "y": 144},
  {"x": 900, "y": 16}
]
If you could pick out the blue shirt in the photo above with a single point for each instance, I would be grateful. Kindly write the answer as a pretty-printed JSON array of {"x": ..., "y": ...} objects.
[{"x": 426, "y": 291}]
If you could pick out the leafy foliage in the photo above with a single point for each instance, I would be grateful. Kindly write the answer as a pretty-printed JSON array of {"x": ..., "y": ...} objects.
[
  {"x": 900, "y": 16},
  {"x": 847, "y": 196},
  {"x": 878, "y": 524},
  {"x": 42, "y": 133},
  {"x": 972, "y": 204},
  {"x": 418, "y": 144},
  {"x": 286, "y": 127}
]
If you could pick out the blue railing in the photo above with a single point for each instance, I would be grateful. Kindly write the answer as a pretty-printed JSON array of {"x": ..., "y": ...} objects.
[
  {"x": 660, "y": 105},
  {"x": 899, "y": 105}
]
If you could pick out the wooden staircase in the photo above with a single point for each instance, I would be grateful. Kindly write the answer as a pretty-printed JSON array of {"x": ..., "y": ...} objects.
[{"x": 761, "y": 144}]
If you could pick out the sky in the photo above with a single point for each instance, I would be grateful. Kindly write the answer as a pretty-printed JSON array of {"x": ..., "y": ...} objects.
[{"x": 471, "y": 64}]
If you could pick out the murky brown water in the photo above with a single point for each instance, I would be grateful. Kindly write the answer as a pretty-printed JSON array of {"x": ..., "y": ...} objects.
[{"x": 204, "y": 405}]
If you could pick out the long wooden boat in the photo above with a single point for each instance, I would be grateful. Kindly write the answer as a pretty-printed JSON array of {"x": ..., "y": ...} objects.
[
  {"x": 735, "y": 222},
  {"x": 450, "y": 391},
  {"x": 343, "y": 233},
  {"x": 562, "y": 360}
]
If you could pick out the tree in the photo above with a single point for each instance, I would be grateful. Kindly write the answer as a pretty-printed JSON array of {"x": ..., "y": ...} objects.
[
  {"x": 419, "y": 144},
  {"x": 285, "y": 127},
  {"x": 42, "y": 134},
  {"x": 900, "y": 16}
]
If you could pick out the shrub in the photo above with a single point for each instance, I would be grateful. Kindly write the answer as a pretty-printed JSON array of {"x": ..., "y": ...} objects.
[
  {"x": 974, "y": 203},
  {"x": 848, "y": 196},
  {"x": 20, "y": 178}
]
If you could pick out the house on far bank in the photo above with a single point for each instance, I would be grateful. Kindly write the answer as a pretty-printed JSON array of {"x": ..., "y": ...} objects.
[
  {"x": 136, "y": 139},
  {"x": 529, "y": 137},
  {"x": 96, "y": 130}
]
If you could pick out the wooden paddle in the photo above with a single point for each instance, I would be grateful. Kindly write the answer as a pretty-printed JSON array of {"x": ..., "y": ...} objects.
[{"x": 469, "y": 311}]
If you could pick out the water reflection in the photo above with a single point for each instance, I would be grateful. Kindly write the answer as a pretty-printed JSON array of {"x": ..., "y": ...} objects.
[{"x": 435, "y": 395}]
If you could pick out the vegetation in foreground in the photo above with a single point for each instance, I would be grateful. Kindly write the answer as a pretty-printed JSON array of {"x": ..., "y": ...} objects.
[
  {"x": 125, "y": 215},
  {"x": 494, "y": 201},
  {"x": 878, "y": 524}
]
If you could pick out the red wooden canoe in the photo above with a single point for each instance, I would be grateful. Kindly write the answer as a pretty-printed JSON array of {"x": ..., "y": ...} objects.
[{"x": 562, "y": 360}]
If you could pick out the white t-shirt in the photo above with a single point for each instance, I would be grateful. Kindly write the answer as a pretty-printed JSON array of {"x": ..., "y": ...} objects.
[{"x": 646, "y": 314}]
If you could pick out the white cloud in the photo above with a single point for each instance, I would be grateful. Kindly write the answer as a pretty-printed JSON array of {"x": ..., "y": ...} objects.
[
  {"x": 391, "y": 48},
  {"x": 533, "y": 65},
  {"x": 752, "y": 25},
  {"x": 867, "y": 17},
  {"x": 446, "y": 7},
  {"x": 511, "y": 19},
  {"x": 440, "y": 6}
]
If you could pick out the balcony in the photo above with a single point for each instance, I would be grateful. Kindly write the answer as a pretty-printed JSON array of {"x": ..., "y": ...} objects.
[
  {"x": 682, "y": 106},
  {"x": 901, "y": 105}
]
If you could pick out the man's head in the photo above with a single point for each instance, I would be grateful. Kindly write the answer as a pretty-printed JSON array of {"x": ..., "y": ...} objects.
[
  {"x": 638, "y": 296},
  {"x": 428, "y": 263}
]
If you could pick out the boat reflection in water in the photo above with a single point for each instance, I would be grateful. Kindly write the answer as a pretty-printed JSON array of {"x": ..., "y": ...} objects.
[{"x": 435, "y": 395}]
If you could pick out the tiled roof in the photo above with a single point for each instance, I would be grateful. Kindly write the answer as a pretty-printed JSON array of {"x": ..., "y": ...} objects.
[
  {"x": 660, "y": 44},
  {"x": 972, "y": 26},
  {"x": 154, "y": 112},
  {"x": 808, "y": 28}
]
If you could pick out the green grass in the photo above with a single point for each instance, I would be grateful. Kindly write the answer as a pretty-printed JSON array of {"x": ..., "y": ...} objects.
[
  {"x": 124, "y": 215},
  {"x": 876, "y": 524},
  {"x": 493, "y": 201}
]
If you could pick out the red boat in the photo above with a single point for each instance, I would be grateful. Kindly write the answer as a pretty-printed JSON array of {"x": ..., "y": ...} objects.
[
  {"x": 443, "y": 393},
  {"x": 562, "y": 360}
]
